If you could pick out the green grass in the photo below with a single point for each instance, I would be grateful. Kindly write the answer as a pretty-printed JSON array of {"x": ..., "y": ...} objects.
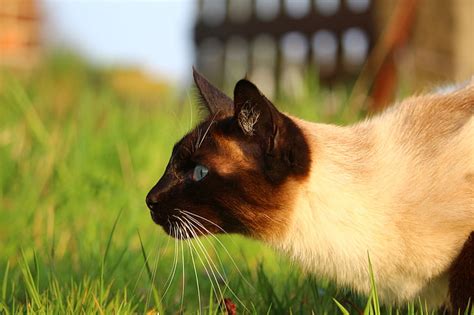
[{"x": 77, "y": 159}]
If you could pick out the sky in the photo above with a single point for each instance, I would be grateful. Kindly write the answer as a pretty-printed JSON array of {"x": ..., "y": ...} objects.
[{"x": 155, "y": 35}]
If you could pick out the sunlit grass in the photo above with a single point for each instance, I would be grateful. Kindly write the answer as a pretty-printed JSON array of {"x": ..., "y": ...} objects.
[{"x": 77, "y": 159}]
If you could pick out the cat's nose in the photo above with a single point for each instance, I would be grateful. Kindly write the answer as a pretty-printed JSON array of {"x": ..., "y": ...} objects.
[{"x": 151, "y": 201}]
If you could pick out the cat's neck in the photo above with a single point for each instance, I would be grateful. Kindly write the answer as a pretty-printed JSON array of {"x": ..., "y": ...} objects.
[{"x": 333, "y": 229}]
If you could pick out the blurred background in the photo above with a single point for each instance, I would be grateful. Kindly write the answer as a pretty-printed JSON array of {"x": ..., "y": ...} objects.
[
  {"x": 271, "y": 41},
  {"x": 93, "y": 95}
]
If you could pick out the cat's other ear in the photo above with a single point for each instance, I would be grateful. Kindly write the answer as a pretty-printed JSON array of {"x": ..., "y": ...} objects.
[
  {"x": 285, "y": 149},
  {"x": 255, "y": 114},
  {"x": 214, "y": 100}
]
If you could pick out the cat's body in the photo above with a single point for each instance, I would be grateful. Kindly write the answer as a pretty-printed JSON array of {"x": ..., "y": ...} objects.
[{"x": 398, "y": 187}]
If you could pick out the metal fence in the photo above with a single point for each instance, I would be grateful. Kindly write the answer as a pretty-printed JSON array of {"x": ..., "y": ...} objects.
[{"x": 270, "y": 39}]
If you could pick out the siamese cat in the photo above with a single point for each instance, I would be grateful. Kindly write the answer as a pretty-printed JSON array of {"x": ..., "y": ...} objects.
[{"x": 398, "y": 187}]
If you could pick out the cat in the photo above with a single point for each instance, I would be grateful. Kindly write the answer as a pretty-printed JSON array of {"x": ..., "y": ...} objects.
[{"x": 397, "y": 187}]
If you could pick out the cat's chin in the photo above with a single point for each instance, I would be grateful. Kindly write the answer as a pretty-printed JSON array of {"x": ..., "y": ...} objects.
[
  {"x": 181, "y": 233},
  {"x": 184, "y": 228}
]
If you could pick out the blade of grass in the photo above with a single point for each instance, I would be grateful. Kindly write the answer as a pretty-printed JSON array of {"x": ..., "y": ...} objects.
[
  {"x": 5, "y": 283},
  {"x": 30, "y": 283},
  {"x": 145, "y": 257},
  {"x": 37, "y": 269},
  {"x": 104, "y": 259},
  {"x": 156, "y": 296},
  {"x": 109, "y": 242},
  {"x": 211, "y": 303},
  {"x": 373, "y": 288},
  {"x": 421, "y": 308},
  {"x": 341, "y": 308},
  {"x": 4, "y": 309}
]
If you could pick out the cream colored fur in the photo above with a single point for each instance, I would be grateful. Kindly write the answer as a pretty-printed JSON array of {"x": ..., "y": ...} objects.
[{"x": 400, "y": 187}]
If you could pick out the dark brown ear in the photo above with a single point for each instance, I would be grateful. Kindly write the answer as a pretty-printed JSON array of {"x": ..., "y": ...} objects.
[
  {"x": 215, "y": 101},
  {"x": 285, "y": 149},
  {"x": 255, "y": 114}
]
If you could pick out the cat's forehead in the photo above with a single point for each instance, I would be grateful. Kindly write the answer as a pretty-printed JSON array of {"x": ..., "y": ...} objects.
[
  {"x": 215, "y": 141},
  {"x": 201, "y": 138}
]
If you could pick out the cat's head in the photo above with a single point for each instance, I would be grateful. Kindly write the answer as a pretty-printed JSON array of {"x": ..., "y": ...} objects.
[{"x": 237, "y": 171}]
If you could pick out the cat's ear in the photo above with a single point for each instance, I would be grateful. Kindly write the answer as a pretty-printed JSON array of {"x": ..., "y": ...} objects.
[
  {"x": 255, "y": 114},
  {"x": 284, "y": 146},
  {"x": 214, "y": 100}
]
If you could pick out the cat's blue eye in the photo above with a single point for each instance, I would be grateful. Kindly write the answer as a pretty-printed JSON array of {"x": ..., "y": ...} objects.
[{"x": 199, "y": 172}]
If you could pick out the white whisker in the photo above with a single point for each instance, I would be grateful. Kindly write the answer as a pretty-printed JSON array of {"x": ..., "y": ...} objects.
[
  {"x": 183, "y": 273},
  {"x": 210, "y": 241},
  {"x": 208, "y": 259},
  {"x": 215, "y": 267},
  {"x": 203, "y": 263},
  {"x": 175, "y": 262},
  {"x": 207, "y": 130},
  {"x": 223, "y": 246},
  {"x": 194, "y": 266},
  {"x": 196, "y": 145},
  {"x": 207, "y": 220}
]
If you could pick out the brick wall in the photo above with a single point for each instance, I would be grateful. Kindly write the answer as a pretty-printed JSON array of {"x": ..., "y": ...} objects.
[{"x": 19, "y": 33}]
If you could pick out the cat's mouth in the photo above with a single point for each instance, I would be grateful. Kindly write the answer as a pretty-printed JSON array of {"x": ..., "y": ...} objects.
[{"x": 182, "y": 225}]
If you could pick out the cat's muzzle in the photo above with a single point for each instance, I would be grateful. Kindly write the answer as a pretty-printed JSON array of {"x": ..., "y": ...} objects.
[{"x": 158, "y": 216}]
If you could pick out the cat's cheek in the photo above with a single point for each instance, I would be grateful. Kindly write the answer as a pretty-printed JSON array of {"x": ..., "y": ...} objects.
[{"x": 271, "y": 222}]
